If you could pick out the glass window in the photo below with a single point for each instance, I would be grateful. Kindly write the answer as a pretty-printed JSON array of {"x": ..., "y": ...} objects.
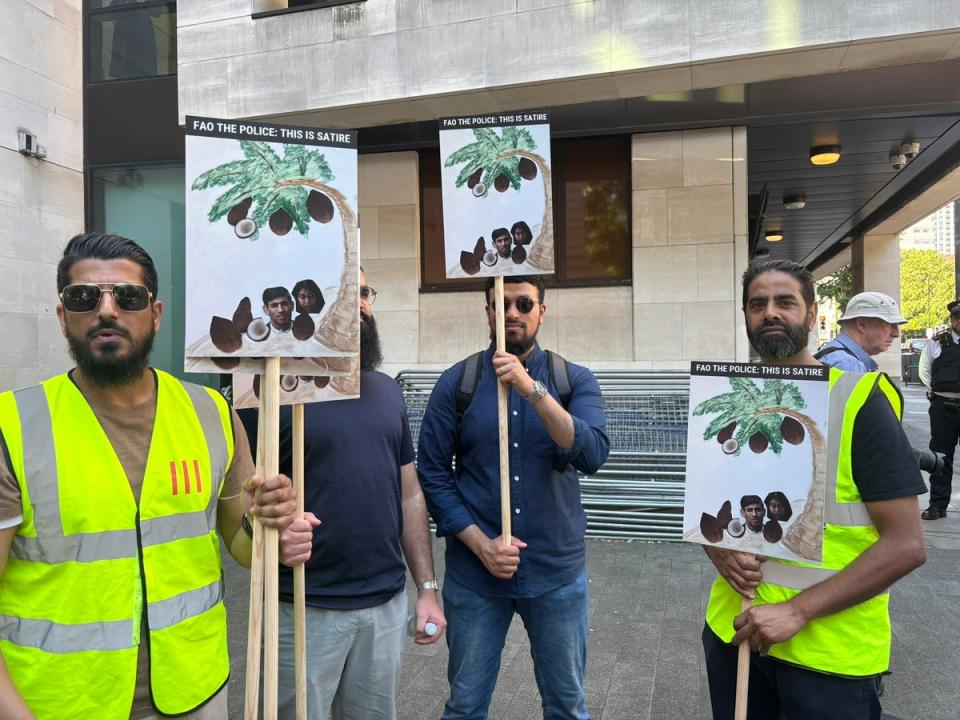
[
  {"x": 591, "y": 191},
  {"x": 146, "y": 204},
  {"x": 137, "y": 40}
]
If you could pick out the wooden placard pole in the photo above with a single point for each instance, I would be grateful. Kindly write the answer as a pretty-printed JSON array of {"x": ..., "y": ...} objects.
[
  {"x": 271, "y": 466},
  {"x": 502, "y": 413},
  {"x": 251, "y": 700},
  {"x": 743, "y": 671},
  {"x": 299, "y": 577}
]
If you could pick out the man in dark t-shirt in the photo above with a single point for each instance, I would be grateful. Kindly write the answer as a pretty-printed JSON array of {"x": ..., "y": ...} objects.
[{"x": 361, "y": 483}]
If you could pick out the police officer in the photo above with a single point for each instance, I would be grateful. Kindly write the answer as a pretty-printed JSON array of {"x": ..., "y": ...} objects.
[{"x": 940, "y": 372}]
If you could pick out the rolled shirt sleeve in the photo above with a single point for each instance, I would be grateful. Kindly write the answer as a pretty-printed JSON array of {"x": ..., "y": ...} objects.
[{"x": 590, "y": 442}]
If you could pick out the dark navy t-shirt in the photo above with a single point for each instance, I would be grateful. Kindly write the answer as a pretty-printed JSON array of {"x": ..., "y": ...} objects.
[{"x": 353, "y": 450}]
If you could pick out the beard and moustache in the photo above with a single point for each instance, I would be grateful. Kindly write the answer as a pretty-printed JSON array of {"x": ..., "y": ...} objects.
[
  {"x": 108, "y": 369},
  {"x": 371, "y": 355},
  {"x": 774, "y": 347},
  {"x": 515, "y": 347}
]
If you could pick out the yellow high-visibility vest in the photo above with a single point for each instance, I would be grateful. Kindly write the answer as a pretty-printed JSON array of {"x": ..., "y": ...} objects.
[
  {"x": 856, "y": 641},
  {"x": 87, "y": 562}
]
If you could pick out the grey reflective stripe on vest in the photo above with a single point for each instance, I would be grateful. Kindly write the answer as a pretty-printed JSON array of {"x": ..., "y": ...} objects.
[
  {"x": 160, "y": 530},
  {"x": 40, "y": 456},
  {"x": 209, "y": 416},
  {"x": 165, "y": 613},
  {"x": 91, "y": 547},
  {"x": 57, "y": 638},
  {"x": 793, "y": 576},
  {"x": 834, "y": 513}
]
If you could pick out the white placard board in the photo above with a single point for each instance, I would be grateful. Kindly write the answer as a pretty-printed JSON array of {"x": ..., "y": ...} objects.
[
  {"x": 756, "y": 458},
  {"x": 497, "y": 195},
  {"x": 272, "y": 253}
]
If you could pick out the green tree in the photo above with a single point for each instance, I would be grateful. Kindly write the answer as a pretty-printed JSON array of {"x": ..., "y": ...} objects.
[
  {"x": 926, "y": 286},
  {"x": 837, "y": 287}
]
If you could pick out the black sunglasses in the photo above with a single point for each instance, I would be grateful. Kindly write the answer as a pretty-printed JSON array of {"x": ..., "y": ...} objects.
[
  {"x": 84, "y": 297},
  {"x": 524, "y": 305}
]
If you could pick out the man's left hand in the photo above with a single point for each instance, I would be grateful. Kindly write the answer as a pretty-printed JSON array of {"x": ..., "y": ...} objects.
[
  {"x": 428, "y": 610},
  {"x": 511, "y": 372},
  {"x": 766, "y": 625},
  {"x": 273, "y": 500}
]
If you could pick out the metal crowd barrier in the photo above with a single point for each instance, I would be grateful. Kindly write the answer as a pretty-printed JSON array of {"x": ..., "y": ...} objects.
[{"x": 638, "y": 493}]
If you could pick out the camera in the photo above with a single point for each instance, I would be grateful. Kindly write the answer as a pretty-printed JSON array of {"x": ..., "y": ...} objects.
[{"x": 928, "y": 460}]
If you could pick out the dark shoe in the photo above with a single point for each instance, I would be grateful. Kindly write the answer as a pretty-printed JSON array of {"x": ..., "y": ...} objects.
[{"x": 932, "y": 513}]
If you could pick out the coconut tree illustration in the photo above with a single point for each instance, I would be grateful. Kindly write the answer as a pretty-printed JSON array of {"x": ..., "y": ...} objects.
[
  {"x": 764, "y": 418},
  {"x": 286, "y": 192},
  {"x": 502, "y": 162}
]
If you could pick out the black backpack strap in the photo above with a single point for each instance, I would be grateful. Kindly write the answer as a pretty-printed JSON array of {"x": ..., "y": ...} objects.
[
  {"x": 560, "y": 377},
  {"x": 466, "y": 386},
  {"x": 823, "y": 352}
]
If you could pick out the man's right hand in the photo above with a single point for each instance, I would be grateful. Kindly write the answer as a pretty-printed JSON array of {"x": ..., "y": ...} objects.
[
  {"x": 740, "y": 569},
  {"x": 499, "y": 559}
]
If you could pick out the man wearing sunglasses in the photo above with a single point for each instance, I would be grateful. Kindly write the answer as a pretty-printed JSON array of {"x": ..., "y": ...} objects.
[
  {"x": 115, "y": 479},
  {"x": 540, "y": 572},
  {"x": 939, "y": 370}
]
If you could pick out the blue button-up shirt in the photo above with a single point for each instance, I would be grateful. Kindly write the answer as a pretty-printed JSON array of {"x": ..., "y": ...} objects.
[
  {"x": 859, "y": 361},
  {"x": 544, "y": 504}
]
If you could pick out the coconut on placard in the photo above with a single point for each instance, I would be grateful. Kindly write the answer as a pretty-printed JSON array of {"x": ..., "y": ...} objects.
[
  {"x": 239, "y": 211},
  {"x": 758, "y": 442},
  {"x": 792, "y": 430},
  {"x": 243, "y": 315},
  {"x": 258, "y": 330},
  {"x": 490, "y": 258},
  {"x": 726, "y": 433},
  {"x": 527, "y": 168},
  {"x": 711, "y": 528},
  {"x": 224, "y": 336},
  {"x": 736, "y": 528},
  {"x": 280, "y": 222},
  {"x": 772, "y": 531},
  {"x": 474, "y": 179},
  {"x": 479, "y": 189},
  {"x": 289, "y": 382},
  {"x": 469, "y": 263},
  {"x": 726, "y": 513},
  {"x": 518, "y": 255},
  {"x": 303, "y": 327},
  {"x": 730, "y": 446},
  {"x": 501, "y": 183},
  {"x": 320, "y": 207},
  {"x": 226, "y": 363},
  {"x": 245, "y": 228}
]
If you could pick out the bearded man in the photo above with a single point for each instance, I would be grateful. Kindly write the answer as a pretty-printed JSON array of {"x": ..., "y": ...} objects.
[
  {"x": 821, "y": 632},
  {"x": 115, "y": 479},
  {"x": 556, "y": 427},
  {"x": 360, "y": 482}
]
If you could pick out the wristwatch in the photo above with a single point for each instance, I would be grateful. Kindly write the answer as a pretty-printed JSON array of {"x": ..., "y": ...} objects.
[
  {"x": 428, "y": 585},
  {"x": 539, "y": 392}
]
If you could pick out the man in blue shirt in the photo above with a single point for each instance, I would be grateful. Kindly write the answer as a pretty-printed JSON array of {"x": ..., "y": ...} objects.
[
  {"x": 541, "y": 573},
  {"x": 870, "y": 324}
]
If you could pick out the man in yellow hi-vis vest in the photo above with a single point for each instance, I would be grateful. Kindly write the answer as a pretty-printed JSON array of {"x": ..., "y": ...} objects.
[
  {"x": 821, "y": 634},
  {"x": 115, "y": 479}
]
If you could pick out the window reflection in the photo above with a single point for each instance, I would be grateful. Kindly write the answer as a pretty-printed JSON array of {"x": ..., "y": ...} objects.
[{"x": 138, "y": 40}]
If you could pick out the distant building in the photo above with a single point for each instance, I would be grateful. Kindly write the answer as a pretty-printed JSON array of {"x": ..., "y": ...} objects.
[{"x": 934, "y": 232}]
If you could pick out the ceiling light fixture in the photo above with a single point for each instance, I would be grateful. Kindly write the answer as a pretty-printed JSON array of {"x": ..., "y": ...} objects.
[
  {"x": 774, "y": 235},
  {"x": 794, "y": 202},
  {"x": 824, "y": 154}
]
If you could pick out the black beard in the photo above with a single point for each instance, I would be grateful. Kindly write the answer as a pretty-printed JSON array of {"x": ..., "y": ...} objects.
[
  {"x": 779, "y": 348},
  {"x": 370, "y": 354},
  {"x": 517, "y": 348},
  {"x": 111, "y": 371}
]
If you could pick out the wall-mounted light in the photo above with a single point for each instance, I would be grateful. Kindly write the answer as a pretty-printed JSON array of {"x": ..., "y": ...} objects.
[
  {"x": 824, "y": 154},
  {"x": 794, "y": 202},
  {"x": 774, "y": 235}
]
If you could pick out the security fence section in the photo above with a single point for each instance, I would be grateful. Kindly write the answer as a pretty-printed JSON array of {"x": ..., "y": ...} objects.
[{"x": 639, "y": 492}]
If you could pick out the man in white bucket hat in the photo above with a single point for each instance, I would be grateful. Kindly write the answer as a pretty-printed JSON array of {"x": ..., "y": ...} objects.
[{"x": 870, "y": 324}]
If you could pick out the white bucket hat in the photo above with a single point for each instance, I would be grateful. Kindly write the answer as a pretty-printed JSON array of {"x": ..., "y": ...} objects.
[{"x": 873, "y": 305}]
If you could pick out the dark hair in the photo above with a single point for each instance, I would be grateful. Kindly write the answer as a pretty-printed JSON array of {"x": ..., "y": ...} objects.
[
  {"x": 309, "y": 286},
  {"x": 534, "y": 280},
  {"x": 777, "y": 495},
  {"x": 498, "y": 233},
  {"x": 102, "y": 246},
  {"x": 750, "y": 500},
  {"x": 798, "y": 271},
  {"x": 272, "y": 293},
  {"x": 527, "y": 235}
]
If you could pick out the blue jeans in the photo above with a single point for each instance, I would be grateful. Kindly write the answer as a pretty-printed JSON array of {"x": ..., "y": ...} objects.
[{"x": 477, "y": 625}]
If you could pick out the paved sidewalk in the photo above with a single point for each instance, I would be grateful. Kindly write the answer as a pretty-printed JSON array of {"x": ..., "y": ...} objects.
[{"x": 647, "y": 603}]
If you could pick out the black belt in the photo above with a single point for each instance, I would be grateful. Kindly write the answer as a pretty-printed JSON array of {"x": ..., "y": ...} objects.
[{"x": 950, "y": 402}]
